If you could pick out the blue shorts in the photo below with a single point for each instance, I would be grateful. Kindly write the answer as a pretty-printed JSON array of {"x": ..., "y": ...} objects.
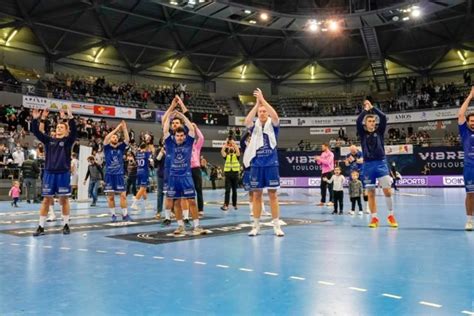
[
  {"x": 468, "y": 174},
  {"x": 56, "y": 184},
  {"x": 264, "y": 178},
  {"x": 373, "y": 170},
  {"x": 180, "y": 187},
  {"x": 246, "y": 179},
  {"x": 143, "y": 180},
  {"x": 114, "y": 183}
]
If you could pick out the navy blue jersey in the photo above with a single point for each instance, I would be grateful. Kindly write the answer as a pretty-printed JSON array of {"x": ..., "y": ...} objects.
[
  {"x": 57, "y": 150},
  {"x": 467, "y": 140},
  {"x": 142, "y": 158},
  {"x": 354, "y": 165},
  {"x": 372, "y": 143},
  {"x": 114, "y": 159},
  {"x": 180, "y": 156},
  {"x": 266, "y": 156}
]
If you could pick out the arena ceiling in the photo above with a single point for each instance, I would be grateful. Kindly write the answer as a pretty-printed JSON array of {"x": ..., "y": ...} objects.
[{"x": 216, "y": 36}]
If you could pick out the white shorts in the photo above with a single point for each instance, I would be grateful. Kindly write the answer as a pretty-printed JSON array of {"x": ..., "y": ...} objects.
[{"x": 74, "y": 179}]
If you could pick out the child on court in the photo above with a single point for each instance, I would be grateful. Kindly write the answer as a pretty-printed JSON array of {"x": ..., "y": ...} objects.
[
  {"x": 355, "y": 192},
  {"x": 15, "y": 193},
  {"x": 338, "y": 181}
]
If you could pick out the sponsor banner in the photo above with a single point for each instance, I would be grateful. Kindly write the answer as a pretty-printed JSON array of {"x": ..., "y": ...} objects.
[
  {"x": 82, "y": 108},
  {"x": 406, "y": 181},
  {"x": 325, "y": 130},
  {"x": 104, "y": 110},
  {"x": 159, "y": 115},
  {"x": 441, "y": 160},
  {"x": 126, "y": 113},
  {"x": 35, "y": 102},
  {"x": 146, "y": 115},
  {"x": 324, "y": 121},
  {"x": 220, "y": 143},
  {"x": 298, "y": 164},
  {"x": 389, "y": 150},
  {"x": 435, "y": 125}
]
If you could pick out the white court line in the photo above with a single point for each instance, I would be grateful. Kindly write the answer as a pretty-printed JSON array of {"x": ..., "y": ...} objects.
[
  {"x": 271, "y": 273},
  {"x": 31, "y": 246},
  {"x": 101, "y": 251},
  {"x": 430, "y": 304},
  {"x": 178, "y": 260},
  {"x": 297, "y": 278},
  {"x": 222, "y": 266},
  {"x": 199, "y": 262},
  {"x": 357, "y": 289},
  {"x": 48, "y": 247},
  {"x": 157, "y": 257},
  {"x": 82, "y": 249},
  {"x": 392, "y": 296},
  {"x": 245, "y": 269},
  {"x": 138, "y": 255},
  {"x": 467, "y": 312},
  {"x": 65, "y": 248},
  {"x": 14, "y": 244},
  {"x": 326, "y": 283},
  {"x": 120, "y": 253}
]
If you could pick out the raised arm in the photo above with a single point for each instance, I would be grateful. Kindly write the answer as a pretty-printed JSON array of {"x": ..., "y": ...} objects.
[
  {"x": 42, "y": 125},
  {"x": 169, "y": 110},
  {"x": 271, "y": 111},
  {"x": 166, "y": 126},
  {"x": 181, "y": 104},
  {"x": 250, "y": 117},
  {"x": 35, "y": 127},
  {"x": 187, "y": 123},
  {"x": 199, "y": 136},
  {"x": 360, "y": 123},
  {"x": 464, "y": 106},
  {"x": 109, "y": 135},
  {"x": 126, "y": 136},
  {"x": 382, "y": 120}
]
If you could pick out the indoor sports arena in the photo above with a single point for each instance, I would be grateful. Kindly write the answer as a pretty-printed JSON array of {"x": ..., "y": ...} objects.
[{"x": 236, "y": 157}]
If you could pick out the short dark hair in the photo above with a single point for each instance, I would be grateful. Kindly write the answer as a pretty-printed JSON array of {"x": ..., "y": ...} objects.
[
  {"x": 469, "y": 116},
  {"x": 177, "y": 118},
  {"x": 142, "y": 146},
  {"x": 325, "y": 144},
  {"x": 179, "y": 130},
  {"x": 370, "y": 116},
  {"x": 355, "y": 171},
  {"x": 369, "y": 98}
]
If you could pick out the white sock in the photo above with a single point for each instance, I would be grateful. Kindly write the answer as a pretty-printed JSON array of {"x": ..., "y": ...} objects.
[
  {"x": 42, "y": 221},
  {"x": 251, "y": 207},
  {"x": 124, "y": 212},
  {"x": 469, "y": 218},
  {"x": 389, "y": 202},
  {"x": 276, "y": 222},
  {"x": 186, "y": 214},
  {"x": 66, "y": 219},
  {"x": 374, "y": 215},
  {"x": 167, "y": 214},
  {"x": 256, "y": 221},
  {"x": 195, "y": 223},
  {"x": 51, "y": 210},
  {"x": 112, "y": 210},
  {"x": 180, "y": 222}
]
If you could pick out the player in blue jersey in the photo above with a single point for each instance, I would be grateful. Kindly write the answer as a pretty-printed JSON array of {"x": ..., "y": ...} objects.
[
  {"x": 180, "y": 182},
  {"x": 114, "y": 170},
  {"x": 142, "y": 158},
  {"x": 354, "y": 161},
  {"x": 56, "y": 176},
  {"x": 261, "y": 155},
  {"x": 375, "y": 165},
  {"x": 466, "y": 130}
]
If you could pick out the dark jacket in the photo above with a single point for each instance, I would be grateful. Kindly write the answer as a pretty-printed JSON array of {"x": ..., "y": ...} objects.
[{"x": 30, "y": 169}]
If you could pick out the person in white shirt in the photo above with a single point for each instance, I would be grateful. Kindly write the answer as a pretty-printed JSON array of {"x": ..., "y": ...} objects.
[
  {"x": 18, "y": 156},
  {"x": 338, "y": 190}
]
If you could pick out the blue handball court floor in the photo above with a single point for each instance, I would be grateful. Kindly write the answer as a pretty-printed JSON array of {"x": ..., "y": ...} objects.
[{"x": 325, "y": 265}]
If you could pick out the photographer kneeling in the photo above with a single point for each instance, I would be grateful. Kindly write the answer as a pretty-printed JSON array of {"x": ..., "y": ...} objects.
[{"x": 231, "y": 153}]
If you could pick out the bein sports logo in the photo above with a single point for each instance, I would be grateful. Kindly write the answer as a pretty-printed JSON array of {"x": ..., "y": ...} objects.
[
  {"x": 288, "y": 182},
  {"x": 453, "y": 181},
  {"x": 314, "y": 182}
]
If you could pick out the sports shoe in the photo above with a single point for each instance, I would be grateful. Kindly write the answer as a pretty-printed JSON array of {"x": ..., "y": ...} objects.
[
  {"x": 277, "y": 231},
  {"x": 392, "y": 221},
  {"x": 255, "y": 231},
  {"x": 235, "y": 208},
  {"x": 367, "y": 211},
  {"x": 374, "y": 223},
  {"x": 39, "y": 231},
  {"x": 187, "y": 222},
  {"x": 92, "y": 205},
  {"x": 134, "y": 205},
  {"x": 224, "y": 208},
  {"x": 180, "y": 230},
  {"x": 334, "y": 213},
  {"x": 361, "y": 213},
  {"x": 469, "y": 226},
  {"x": 126, "y": 218},
  {"x": 158, "y": 216},
  {"x": 266, "y": 214},
  {"x": 166, "y": 222},
  {"x": 320, "y": 204},
  {"x": 341, "y": 212},
  {"x": 198, "y": 230},
  {"x": 329, "y": 204},
  {"x": 351, "y": 213},
  {"x": 66, "y": 230},
  {"x": 51, "y": 218}
]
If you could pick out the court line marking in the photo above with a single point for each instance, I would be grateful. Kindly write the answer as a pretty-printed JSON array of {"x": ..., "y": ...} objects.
[
  {"x": 199, "y": 262},
  {"x": 297, "y": 278},
  {"x": 82, "y": 249},
  {"x": 28, "y": 245},
  {"x": 178, "y": 260},
  {"x": 246, "y": 269},
  {"x": 65, "y": 248},
  {"x": 357, "y": 289},
  {"x": 271, "y": 273},
  {"x": 430, "y": 304},
  {"x": 222, "y": 266},
  {"x": 467, "y": 312},
  {"x": 14, "y": 244},
  {"x": 48, "y": 247},
  {"x": 101, "y": 251},
  {"x": 158, "y": 257},
  {"x": 392, "y": 296},
  {"x": 120, "y": 253},
  {"x": 138, "y": 255},
  {"x": 326, "y": 283}
]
